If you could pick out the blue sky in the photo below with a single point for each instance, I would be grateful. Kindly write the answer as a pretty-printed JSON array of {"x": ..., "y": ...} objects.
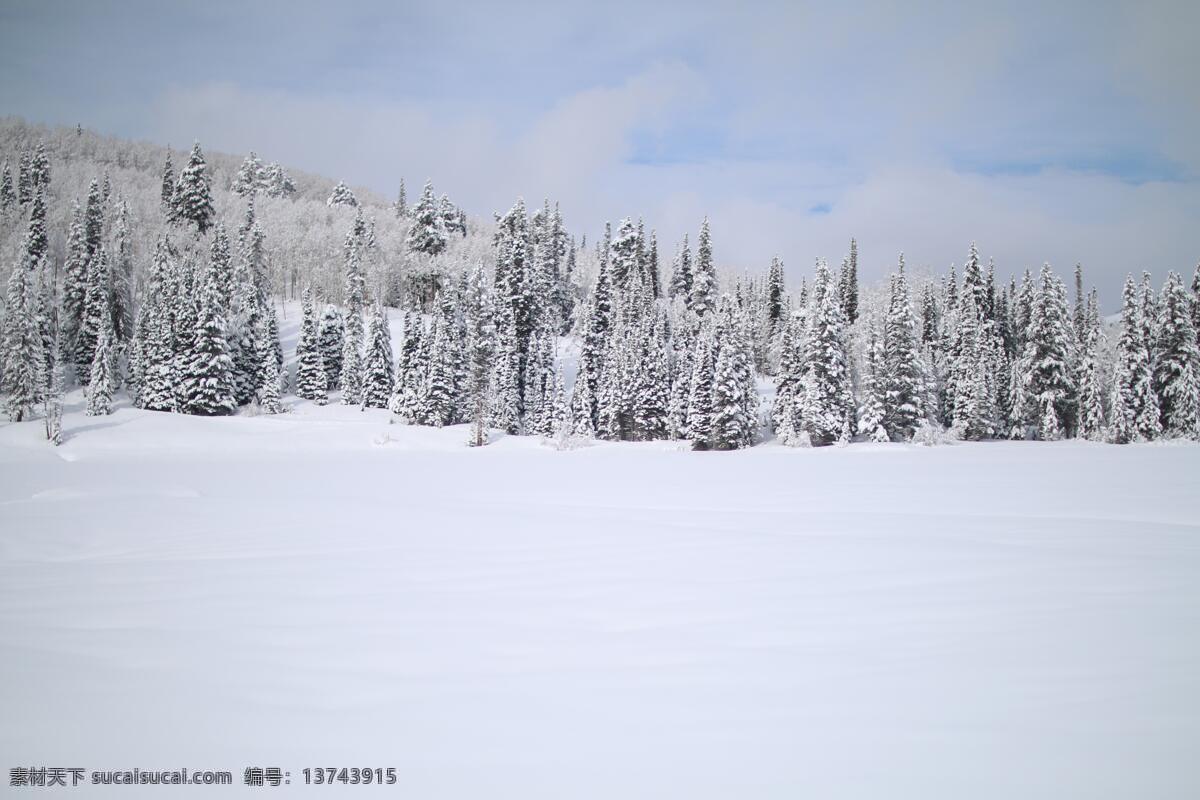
[{"x": 1061, "y": 135}]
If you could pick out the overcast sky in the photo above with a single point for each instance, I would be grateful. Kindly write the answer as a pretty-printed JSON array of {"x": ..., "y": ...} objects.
[{"x": 1064, "y": 135}]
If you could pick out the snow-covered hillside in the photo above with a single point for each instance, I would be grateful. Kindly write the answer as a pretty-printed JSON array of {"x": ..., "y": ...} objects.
[{"x": 625, "y": 620}]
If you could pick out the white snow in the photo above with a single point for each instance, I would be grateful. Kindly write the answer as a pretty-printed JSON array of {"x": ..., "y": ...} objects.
[{"x": 998, "y": 620}]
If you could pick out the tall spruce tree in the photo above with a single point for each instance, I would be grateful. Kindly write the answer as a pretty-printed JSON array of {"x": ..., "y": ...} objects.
[
  {"x": 377, "y": 366},
  {"x": 827, "y": 391},
  {"x": 209, "y": 379},
  {"x": 310, "y": 370},
  {"x": 704, "y": 280},
  {"x": 901, "y": 367},
  {"x": 23, "y": 357},
  {"x": 1177, "y": 367},
  {"x": 192, "y": 202},
  {"x": 1091, "y": 382},
  {"x": 1134, "y": 403},
  {"x": 100, "y": 384},
  {"x": 427, "y": 233}
]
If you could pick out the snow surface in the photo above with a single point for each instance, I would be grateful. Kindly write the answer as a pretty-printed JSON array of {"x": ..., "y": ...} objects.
[{"x": 323, "y": 588}]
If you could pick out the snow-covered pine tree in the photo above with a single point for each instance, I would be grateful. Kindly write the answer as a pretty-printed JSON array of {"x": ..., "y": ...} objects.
[
  {"x": 153, "y": 366},
  {"x": 167, "y": 194},
  {"x": 681, "y": 273},
  {"x": 704, "y": 279},
  {"x": 652, "y": 391},
  {"x": 1177, "y": 367},
  {"x": 330, "y": 338},
  {"x": 39, "y": 168},
  {"x": 249, "y": 314},
  {"x": 8, "y": 192},
  {"x": 733, "y": 394},
  {"x": 97, "y": 312},
  {"x": 377, "y": 366},
  {"x": 871, "y": 412},
  {"x": 350, "y": 376},
  {"x": 427, "y": 234},
  {"x": 310, "y": 370},
  {"x": 1091, "y": 383},
  {"x": 342, "y": 196},
  {"x": 400, "y": 207},
  {"x": 828, "y": 399},
  {"x": 209, "y": 389},
  {"x": 449, "y": 215},
  {"x": 1134, "y": 404},
  {"x": 701, "y": 402},
  {"x": 409, "y": 371},
  {"x": 901, "y": 368},
  {"x": 1049, "y": 354},
  {"x": 504, "y": 394},
  {"x": 972, "y": 282},
  {"x": 850, "y": 296},
  {"x": 100, "y": 383},
  {"x": 278, "y": 182},
  {"x": 121, "y": 275},
  {"x": 23, "y": 357},
  {"x": 269, "y": 398},
  {"x": 437, "y": 397},
  {"x": 24, "y": 179},
  {"x": 251, "y": 177},
  {"x": 192, "y": 200},
  {"x": 480, "y": 337}
]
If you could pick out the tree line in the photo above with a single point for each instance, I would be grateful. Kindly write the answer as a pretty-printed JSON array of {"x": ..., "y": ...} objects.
[{"x": 192, "y": 327}]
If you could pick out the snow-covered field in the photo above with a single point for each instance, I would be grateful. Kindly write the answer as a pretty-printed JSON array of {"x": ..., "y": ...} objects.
[{"x": 993, "y": 620}]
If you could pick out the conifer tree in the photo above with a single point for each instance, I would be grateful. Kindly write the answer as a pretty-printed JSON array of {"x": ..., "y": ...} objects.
[
  {"x": 400, "y": 207},
  {"x": 330, "y": 340},
  {"x": 733, "y": 395},
  {"x": 23, "y": 359},
  {"x": 377, "y": 366},
  {"x": 39, "y": 168},
  {"x": 1091, "y": 385},
  {"x": 25, "y": 185},
  {"x": 100, "y": 384},
  {"x": 167, "y": 194},
  {"x": 1134, "y": 404},
  {"x": 827, "y": 391},
  {"x": 278, "y": 182},
  {"x": 270, "y": 401},
  {"x": 342, "y": 196},
  {"x": 504, "y": 388},
  {"x": 251, "y": 177},
  {"x": 428, "y": 233},
  {"x": 851, "y": 295},
  {"x": 121, "y": 275},
  {"x": 351, "y": 378},
  {"x": 310, "y": 371},
  {"x": 97, "y": 312},
  {"x": 704, "y": 280},
  {"x": 209, "y": 380},
  {"x": 479, "y": 344},
  {"x": 701, "y": 403},
  {"x": 1177, "y": 368},
  {"x": 192, "y": 201},
  {"x": 871, "y": 412},
  {"x": 154, "y": 367},
  {"x": 681, "y": 273},
  {"x": 8, "y": 192},
  {"x": 37, "y": 242},
  {"x": 437, "y": 401},
  {"x": 901, "y": 365}
]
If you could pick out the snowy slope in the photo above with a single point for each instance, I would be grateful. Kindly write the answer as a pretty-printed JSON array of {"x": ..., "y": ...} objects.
[{"x": 622, "y": 621}]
